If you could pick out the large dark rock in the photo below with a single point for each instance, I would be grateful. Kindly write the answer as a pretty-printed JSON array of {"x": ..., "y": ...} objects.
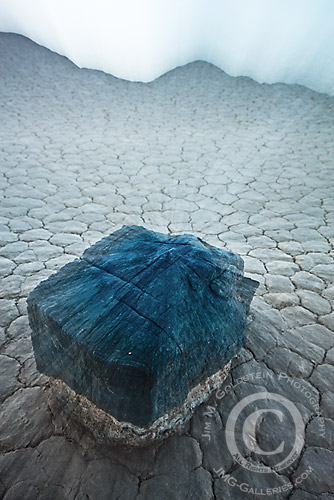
[{"x": 140, "y": 320}]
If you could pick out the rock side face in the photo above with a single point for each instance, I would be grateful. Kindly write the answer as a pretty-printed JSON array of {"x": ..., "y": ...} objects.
[{"x": 140, "y": 320}]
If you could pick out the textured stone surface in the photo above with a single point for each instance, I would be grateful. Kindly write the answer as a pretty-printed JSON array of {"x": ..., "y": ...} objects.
[
  {"x": 107, "y": 429},
  {"x": 81, "y": 147},
  {"x": 139, "y": 315},
  {"x": 9, "y": 383},
  {"x": 321, "y": 461}
]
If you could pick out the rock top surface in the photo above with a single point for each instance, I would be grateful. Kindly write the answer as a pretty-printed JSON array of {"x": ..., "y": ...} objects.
[{"x": 139, "y": 320}]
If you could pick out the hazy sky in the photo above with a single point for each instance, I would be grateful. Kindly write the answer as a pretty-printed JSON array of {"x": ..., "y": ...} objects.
[{"x": 290, "y": 41}]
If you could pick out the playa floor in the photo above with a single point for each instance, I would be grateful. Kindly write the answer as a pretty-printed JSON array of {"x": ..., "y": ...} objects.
[{"x": 245, "y": 166}]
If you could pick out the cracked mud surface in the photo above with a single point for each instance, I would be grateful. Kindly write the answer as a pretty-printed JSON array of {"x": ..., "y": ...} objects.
[{"x": 246, "y": 167}]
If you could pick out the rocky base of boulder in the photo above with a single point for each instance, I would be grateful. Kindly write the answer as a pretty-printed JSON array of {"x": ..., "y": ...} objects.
[{"x": 109, "y": 430}]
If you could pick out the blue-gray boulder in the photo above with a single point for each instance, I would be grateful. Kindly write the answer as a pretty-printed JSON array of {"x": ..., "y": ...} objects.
[{"x": 139, "y": 320}]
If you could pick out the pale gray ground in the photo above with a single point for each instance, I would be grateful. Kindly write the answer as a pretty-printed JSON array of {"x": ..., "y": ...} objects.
[{"x": 245, "y": 166}]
